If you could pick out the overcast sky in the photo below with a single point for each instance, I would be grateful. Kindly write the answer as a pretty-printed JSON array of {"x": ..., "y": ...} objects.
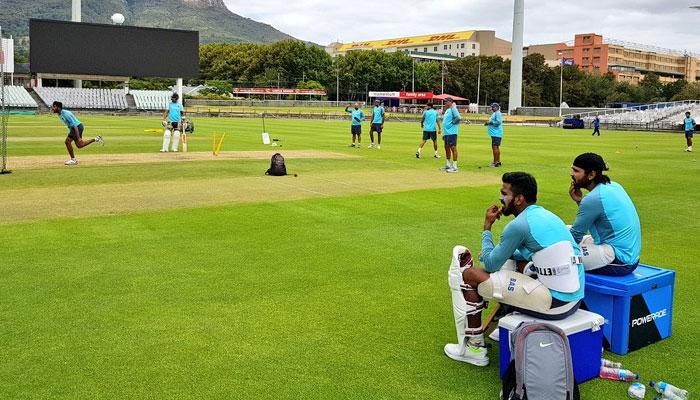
[{"x": 664, "y": 23}]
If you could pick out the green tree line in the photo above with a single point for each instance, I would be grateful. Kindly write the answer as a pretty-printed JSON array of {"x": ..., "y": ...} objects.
[{"x": 297, "y": 64}]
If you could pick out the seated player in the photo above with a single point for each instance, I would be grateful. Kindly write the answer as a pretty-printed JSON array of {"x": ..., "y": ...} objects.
[
  {"x": 607, "y": 212},
  {"x": 172, "y": 124},
  {"x": 534, "y": 235}
]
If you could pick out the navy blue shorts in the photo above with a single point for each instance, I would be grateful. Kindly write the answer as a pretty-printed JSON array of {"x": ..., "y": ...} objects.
[
  {"x": 376, "y": 128},
  {"x": 496, "y": 141},
  {"x": 72, "y": 135},
  {"x": 616, "y": 268},
  {"x": 689, "y": 134},
  {"x": 432, "y": 135},
  {"x": 356, "y": 129},
  {"x": 450, "y": 140}
]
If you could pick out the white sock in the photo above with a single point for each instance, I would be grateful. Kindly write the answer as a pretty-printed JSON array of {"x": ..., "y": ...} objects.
[
  {"x": 454, "y": 164},
  {"x": 448, "y": 163},
  {"x": 436, "y": 152},
  {"x": 419, "y": 150}
]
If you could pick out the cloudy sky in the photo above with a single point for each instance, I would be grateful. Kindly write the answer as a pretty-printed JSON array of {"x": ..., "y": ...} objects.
[{"x": 664, "y": 23}]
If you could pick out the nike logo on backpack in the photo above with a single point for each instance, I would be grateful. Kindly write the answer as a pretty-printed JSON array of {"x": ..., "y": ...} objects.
[{"x": 545, "y": 345}]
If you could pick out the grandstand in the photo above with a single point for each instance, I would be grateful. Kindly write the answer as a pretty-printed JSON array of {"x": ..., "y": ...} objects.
[
  {"x": 97, "y": 99},
  {"x": 663, "y": 116},
  {"x": 151, "y": 99},
  {"x": 18, "y": 97}
]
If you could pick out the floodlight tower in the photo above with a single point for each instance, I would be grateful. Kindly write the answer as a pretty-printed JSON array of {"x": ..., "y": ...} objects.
[
  {"x": 76, "y": 17},
  {"x": 516, "y": 59}
]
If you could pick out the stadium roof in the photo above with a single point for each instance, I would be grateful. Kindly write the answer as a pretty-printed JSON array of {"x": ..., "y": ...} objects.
[{"x": 407, "y": 41}]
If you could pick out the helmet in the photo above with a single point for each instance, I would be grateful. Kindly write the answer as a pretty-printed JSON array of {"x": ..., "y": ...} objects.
[{"x": 174, "y": 97}]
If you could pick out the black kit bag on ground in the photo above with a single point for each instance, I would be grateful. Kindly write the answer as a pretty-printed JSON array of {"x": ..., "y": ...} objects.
[
  {"x": 540, "y": 364},
  {"x": 277, "y": 167}
]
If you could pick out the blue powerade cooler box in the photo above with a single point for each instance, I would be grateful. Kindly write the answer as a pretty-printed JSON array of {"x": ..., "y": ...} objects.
[
  {"x": 585, "y": 334},
  {"x": 637, "y": 307}
]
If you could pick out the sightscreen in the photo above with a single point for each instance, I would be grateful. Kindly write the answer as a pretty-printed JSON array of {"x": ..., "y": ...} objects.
[{"x": 62, "y": 47}]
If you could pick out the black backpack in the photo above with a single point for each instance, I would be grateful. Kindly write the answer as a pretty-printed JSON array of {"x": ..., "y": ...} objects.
[
  {"x": 540, "y": 366},
  {"x": 277, "y": 167}
]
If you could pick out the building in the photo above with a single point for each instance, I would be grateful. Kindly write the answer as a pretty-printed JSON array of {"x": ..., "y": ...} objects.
[
  {"x": 550, "y": 51},
  {"x": 629, "y": 62},
  {"x": 454, "y": 44}
]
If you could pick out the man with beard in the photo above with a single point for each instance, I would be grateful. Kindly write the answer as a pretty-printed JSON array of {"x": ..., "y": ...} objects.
[
  {"x": 607, "y": 212},
  {"x": 534, "y": 235}
]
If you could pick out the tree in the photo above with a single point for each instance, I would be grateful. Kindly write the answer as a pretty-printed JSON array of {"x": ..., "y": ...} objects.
[{"x": 690, "y": 91}]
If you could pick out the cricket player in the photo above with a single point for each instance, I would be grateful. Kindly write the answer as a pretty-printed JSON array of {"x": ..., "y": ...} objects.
[
  {"x": 450, "y": 130},
  {"x": 75, "y": 131},
  {"x": 607, "y": 212},
  {"x": 431, "y": 125},
  {"x": 357, "y": 116},
  {"x": 535, "y": 235},
  {"x": 377, "y": 124},
  {"x": 689, "y": 126},
  {"x": 172, "y": 122},
  {"x": 495, "y": 131}
]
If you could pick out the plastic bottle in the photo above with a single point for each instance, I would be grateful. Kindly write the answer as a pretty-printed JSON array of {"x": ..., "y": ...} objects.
[
  {"x": 637, "y": 390},
  {"x": 610, "y": 364},
  {"x": 668, "y": 390},
  {"x": 617, "y": 374}
]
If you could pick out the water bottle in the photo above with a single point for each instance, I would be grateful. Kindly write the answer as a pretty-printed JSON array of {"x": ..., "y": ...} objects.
[
  {"x": 610, "y": 364},
  {"x": 617, "y": 374},
  {"x": 636, "y": 390},
  {"x": 668, "y": 390}
]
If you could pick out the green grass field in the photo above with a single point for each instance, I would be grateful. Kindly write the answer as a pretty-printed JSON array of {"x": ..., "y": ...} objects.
[{"x": 165, "y": 277}]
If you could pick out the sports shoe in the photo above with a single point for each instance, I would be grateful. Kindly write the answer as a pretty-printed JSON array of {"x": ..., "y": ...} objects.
[
  {"x": 494, "y": 335},
  {"x": 72, "y": 161},
  {"x": 498, "y": 164},
  {"x": 689, "y": 149},
  {"x": 469, "y": 354},
  {"x": 445, "y": 168},
  {"x": 100, "y": 140},
  {"x": 371, "y": 146},
  {"x": 358, "y": 146},
  {"x": 450, "y": 170},
  {"x": 351, "y": 145},
  {"x": 436, "y": 156},
  {"x": 163, "y": 150},
  {"x": 417, "y": 154}
]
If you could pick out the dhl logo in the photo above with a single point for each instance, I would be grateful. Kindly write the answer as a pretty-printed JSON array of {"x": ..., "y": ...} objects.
[
  {"x": 438, "y": 38},
  {"x": 398, "y": 41},
  {"x": 365, "y": 44}
]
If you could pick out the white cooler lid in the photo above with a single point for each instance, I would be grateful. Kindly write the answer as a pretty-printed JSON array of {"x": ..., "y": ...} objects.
[{"x": 581, "y": 321}]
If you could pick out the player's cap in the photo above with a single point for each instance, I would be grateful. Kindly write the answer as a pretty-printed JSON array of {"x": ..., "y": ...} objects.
[
  {"x": 591, "y": 162},
  {"x": 377, "y": 101},
  {"x": 450, "y": 99},
  {"x": 495, "y": 105},
  {"x": 175, "y": 96},
  {"x": 430, "y": 104}
]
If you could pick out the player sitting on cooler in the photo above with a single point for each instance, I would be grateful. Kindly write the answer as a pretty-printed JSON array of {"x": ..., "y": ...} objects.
[
  {"x": 607, "y": 212},
  {"x": 172, "y": 124},
  {"x": 535, "y": 235}
]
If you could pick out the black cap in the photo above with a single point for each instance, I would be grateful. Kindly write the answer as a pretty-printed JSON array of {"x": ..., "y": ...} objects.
[
  {"x": 591, "y": 162},
  {"x": 450, "y": 99}
]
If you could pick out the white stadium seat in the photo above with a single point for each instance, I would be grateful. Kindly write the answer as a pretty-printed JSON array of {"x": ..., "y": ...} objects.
[
  {"x": 98, "y": 99},
  {"x": 151, "y": 99},
  {"x": 18, "y": 97}
]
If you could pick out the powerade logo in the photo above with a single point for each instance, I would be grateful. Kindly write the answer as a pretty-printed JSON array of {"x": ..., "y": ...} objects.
[{"x": 651, "y": 317}]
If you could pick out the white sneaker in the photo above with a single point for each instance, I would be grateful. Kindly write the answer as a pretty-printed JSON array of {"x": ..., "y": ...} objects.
[
  {"x": 174, "y": 151},
  {"x": 495, "y": 334},
  {"x": 100, "y": 140},
  {"x": 351, "y": 145},
  {"x": 417, "y": 154},
  {"x": 436, "y": 156},
  {"x": 163, "y": 150},
  {"x": 371, "y": 146},
  {"x": 72, "y": 161},
  {"x": 469, "y": 354},
  {"x": 358, "y": 146},
  {"x": 689, "y": 149},
  {"x": 452, "y": 170}
]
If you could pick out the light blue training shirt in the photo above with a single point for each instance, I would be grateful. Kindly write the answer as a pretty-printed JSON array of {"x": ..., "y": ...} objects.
[
  {"x": 609, "y": 214},
  {"x": 430, "y": 118},
  {"x": 496, "y": 125},
  {"x": 174, "y": 112},
  {"x": 533, "y": 230},
  {"x": 357, "y": 115},
  {"x": 450, "y": 121},
  {"x": 689, "y": 124},
  {"x": 68, "y": 118},
  {"x": 378, "y": 111}
]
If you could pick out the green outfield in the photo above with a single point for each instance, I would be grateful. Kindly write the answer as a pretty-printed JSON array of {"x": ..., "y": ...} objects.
[{"x": 140, "y": 275}]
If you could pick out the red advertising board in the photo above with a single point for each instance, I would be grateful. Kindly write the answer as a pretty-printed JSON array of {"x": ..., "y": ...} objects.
[{"x": 416, "y": 95}]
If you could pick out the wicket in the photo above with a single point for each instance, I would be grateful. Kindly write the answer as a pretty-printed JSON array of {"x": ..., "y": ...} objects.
[{"x": 216, "y": 147}]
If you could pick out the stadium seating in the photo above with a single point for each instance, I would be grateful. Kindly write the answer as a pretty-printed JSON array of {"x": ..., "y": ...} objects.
[
  {"x": 151, "y": 99},
  {"x": 657, "y": 114},
  {"x": 18, "y": 97},
  {"x": 97, "y": 99}
]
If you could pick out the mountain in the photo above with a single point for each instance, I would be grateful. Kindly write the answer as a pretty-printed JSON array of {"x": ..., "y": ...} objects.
[{"x": 211, "y": 18}]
